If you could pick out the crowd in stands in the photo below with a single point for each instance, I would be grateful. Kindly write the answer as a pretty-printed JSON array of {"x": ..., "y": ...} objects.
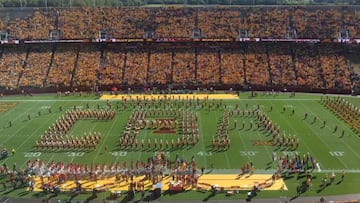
[
  {"x": 316, "y": 66},
  {"x": 276, "y": 21},
  {"x": 36, "y": 26},
  {"x": 312, "y": 23},
  {"x": 136, "y": 68},
  {"x": 87, "y": 22},
  {"x": 257, "y": 66},
  {"x": 87, "y": 66},
  {"x": 214, "y": 22},
  {"x": 208, "y": 68},
  {"x": 11, "y": 66},
  {"x": 261, "y": 64},
  {"x": 233, "y": 71},
  {"x": 220, "y": 24},
  {"x": 174, "y": 22},
  {"x": 308, "y": 67},
  {"x": 160, "y": 68},
  {"x": 184, "y": 67},
  {"x": 35, "y": 69},
  {"x": 62, "y": 67},
  {"x": 281, "y": 65},
  {"x": 110, "y": 71},
  {"x": 331, "y": 62}
]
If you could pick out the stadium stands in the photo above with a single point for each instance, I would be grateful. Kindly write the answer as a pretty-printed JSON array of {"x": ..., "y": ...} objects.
[
  {"x": 136, "y": 67},
  {"x": 232, "y": 67},
  {"x": 317, "y": 23},
  {"x": 111, "y": 68},
  {"x": 214, "y": 22},
  {"x": 208, "y": 67},
  {"x": 320, "y": 66},
  {"x": 160, "y": 70},
  {"x": 174, "y": 22},
  {"x": 36, "y": 66},
  {"x": 62, "y": 67},
  {"x": 88, "y": 64},
  {"x": 260, "y": 64},
  {"x": 308, "y": 67},
  {"x": 11, "y": 66},
  {"x": 256, "y": 66},
  {"x": 335, "y": 75},
  {"x": 184, "y": 67},
  {"x": 281, "y": 65},
  {"x": 36, "y": 26}
]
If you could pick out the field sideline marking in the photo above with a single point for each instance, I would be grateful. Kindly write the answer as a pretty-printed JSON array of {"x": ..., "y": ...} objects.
[
  {"x": 271, "y": 171},
  {"x": 97, "y": 100}
]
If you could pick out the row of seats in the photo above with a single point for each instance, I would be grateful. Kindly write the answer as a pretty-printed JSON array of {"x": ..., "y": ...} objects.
[
  {"x": 220, "y": 22},
  {"x": 316, "y": 66}
]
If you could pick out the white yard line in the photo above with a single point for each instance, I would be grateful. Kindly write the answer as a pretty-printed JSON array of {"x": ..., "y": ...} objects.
[
  {"x": 35, "y": 132},
  {"x": 202, "y": 136},
  {"x": 14, "y": 123},
  {"x": 140, "y": 153},
  {"x": 55, "y": 154},
  {"x": 261, "y": 136},
  {"x": 105, "y": 138},
  {"x": 226, "y": 157},
  {"x": 294, "y": 130},
  {"x": 96, "y": 100}
]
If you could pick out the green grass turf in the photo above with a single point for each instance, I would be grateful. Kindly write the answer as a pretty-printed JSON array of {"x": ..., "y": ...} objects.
[{"x": 333, "y": 153}]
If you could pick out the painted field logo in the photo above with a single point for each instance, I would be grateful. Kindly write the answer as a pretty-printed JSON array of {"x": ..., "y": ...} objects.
[
  {"x": 262, "y": 143},
  {"x": 5, "y": 106}
]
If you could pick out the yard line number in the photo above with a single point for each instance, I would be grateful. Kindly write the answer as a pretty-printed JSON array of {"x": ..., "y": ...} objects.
[
  {"x": 119, "y": 153},
  {"x": 32, "y": 154},
  {"x": 248, "y": 153},
  {"x": 290, "y": 153},
  {"x": 75, "y": 154},
  {"x": 202, "y": 153},
  {"x": 336, "y": 153}
]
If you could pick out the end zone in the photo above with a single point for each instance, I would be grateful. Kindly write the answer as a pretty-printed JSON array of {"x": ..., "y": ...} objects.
[
  {"x": 169, "y": 96},
  {"x": 223, "y": 182}
]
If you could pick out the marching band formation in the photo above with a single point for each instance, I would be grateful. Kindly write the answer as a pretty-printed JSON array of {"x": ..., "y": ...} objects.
[
  {"x": 57, "y": 136},
  {"x": 149, "y": 119},
  {"x": 347, "y": 111}
]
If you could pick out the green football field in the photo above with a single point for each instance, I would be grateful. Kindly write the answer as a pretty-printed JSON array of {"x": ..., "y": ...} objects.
[{"x": 333, "y": 152}]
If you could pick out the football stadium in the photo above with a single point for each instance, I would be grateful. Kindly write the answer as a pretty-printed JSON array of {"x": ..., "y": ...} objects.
[{"x": 168, "y": 101}]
